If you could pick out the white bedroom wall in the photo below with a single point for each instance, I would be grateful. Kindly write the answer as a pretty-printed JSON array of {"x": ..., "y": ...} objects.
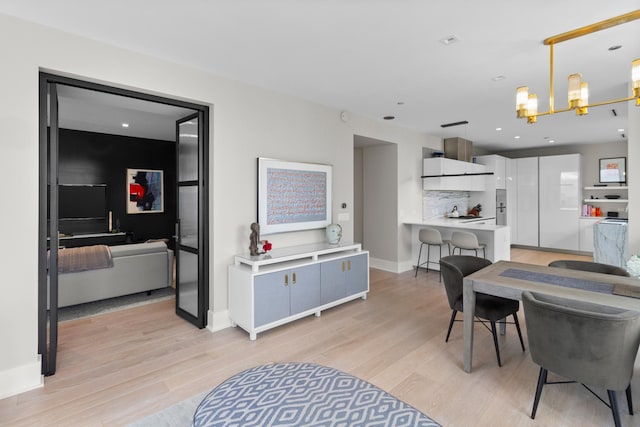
[{"x": 246, "y": 122}]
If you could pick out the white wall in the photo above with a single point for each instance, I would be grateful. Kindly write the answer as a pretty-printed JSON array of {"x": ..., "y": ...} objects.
[
  {"x": 246, "y": 122},
  {"x": 380, "y": 195},
  {"x": 358, "y": 218},
  {"x": 633, "y": 172}
]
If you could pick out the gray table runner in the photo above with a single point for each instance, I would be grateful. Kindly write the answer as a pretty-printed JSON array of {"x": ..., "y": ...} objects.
[{"x": 552, "y": 279}]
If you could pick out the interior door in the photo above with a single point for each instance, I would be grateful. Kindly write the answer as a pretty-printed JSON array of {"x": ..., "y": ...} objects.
[
  {"x": 48, "y": 229},
  {"x": 192, "y": 298}
]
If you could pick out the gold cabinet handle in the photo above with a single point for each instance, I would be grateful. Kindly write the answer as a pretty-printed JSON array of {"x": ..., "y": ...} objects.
[
  {"x": 349, "y": 265},
  {"x": 294, "y": 278},
  {"x": 286, "y": 280},
  {"x": 343, "y": 266}
]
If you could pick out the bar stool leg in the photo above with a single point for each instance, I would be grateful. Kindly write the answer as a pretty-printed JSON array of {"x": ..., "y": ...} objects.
[{"x": 418, "y": 263}]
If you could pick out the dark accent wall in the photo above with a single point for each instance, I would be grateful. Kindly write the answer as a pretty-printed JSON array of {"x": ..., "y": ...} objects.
[{"x": 96, "y": 158}]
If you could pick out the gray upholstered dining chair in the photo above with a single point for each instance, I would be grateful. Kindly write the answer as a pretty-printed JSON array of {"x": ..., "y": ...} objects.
[
  {"x": 592, "y": 344},
  {"x": 595, "y": 267},
  {"x": 488, "y": 307}
]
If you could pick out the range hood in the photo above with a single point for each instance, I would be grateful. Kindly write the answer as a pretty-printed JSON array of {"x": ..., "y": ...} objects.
[{"x": 458, "y": 149}]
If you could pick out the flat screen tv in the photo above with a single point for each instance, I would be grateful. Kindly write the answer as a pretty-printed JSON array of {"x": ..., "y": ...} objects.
[
  {"x": 613, "y": 170},
  {"x": 82, "y": 201}
]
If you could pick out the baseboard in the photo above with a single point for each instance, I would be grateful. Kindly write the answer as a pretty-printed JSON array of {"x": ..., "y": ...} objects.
[
  {"x": 219, "y": 320},
  {"x": 382, "y": 264},
  {"x": 20, "y": 379}
]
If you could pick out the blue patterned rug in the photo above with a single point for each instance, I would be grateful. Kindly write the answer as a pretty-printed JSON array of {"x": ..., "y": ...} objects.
[{"x": 303, "y": 394}]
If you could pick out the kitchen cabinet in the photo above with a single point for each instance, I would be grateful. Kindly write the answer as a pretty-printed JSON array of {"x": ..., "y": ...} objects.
[
  {"x": 284, "y": 293},
  {"x": 586, "y": 233},
  {"x": 294, "y": 282},
  {"x": 498, "y": 165},
  {"x": 526, "y": 209},
  {"x": 548, "y": 202},
  {"x": 449, "y": 174},
  {"x": 560, "y": 201},
  {"x": 343, "y": 277}
]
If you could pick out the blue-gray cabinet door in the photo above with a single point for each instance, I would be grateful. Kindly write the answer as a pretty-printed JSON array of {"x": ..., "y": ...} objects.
[
  {"x": 304, "y": 288},
  {"x": 333, "y": 280},
  {"x": 271, "y": 297},
  {"x": 357, "y": 274}
]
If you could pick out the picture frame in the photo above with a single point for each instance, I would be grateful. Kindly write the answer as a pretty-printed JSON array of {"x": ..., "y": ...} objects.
[
  {"x": 145, "y": 191},
  {"x": 293, "y": 196},
  {"x": 613, "y": 170}
]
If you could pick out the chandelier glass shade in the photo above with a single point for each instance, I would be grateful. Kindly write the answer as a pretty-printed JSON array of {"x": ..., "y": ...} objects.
[{"x": 578, "y": 90}]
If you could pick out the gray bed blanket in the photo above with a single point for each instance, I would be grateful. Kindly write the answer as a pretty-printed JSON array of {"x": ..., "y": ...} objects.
[{"x": 71, "y": 260}]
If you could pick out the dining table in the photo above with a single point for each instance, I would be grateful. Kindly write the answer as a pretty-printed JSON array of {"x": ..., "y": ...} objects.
[{"x": 509, "y": 279}]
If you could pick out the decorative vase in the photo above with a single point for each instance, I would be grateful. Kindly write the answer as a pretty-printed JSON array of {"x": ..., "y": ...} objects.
[{"x": 334, "y": 233}]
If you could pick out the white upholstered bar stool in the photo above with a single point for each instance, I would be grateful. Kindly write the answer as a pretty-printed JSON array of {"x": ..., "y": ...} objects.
[
  {"x": 430, "y": 237},
  {"x": 467, "y": 241}
]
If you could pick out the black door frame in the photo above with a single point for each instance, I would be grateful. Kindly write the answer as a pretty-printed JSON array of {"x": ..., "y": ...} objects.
[{"x": 48, "y": 353}]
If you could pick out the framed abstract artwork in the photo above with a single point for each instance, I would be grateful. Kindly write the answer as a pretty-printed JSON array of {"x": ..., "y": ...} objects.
[
  {"x": 293, "y": 196},
  {"x": 145, "y": 191}
]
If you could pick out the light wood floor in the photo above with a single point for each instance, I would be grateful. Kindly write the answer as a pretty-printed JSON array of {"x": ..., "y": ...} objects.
[{"x": 118, "y": 367}]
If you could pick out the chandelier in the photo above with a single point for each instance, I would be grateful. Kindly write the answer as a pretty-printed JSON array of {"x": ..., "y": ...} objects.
[{"x": 578, "y": 91}]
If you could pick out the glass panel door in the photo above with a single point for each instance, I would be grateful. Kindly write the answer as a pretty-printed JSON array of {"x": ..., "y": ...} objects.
[
  {"x": 191, "y": 292},
  {"x": 48, "y": 228}
]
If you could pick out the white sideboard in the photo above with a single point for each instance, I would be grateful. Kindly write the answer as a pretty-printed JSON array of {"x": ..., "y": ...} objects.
[{"x": 287, "y": 284}]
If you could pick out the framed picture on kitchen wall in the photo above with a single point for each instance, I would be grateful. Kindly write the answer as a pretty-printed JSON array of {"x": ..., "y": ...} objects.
[
  {"x": 293, "y": 196},
  {"x": 145, "y": 191},
  {"x": 613, "y": 170}
]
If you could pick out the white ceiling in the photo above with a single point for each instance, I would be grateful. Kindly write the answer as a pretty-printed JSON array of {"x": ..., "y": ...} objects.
[
  {"x": 83, "y": 109},
  {"x": 367, "y": 56}
]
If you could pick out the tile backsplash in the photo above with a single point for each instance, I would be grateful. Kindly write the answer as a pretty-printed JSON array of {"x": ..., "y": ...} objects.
[{"x": 437, "y": 204}]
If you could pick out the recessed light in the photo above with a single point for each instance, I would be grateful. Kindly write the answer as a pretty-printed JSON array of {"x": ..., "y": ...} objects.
[
  {"x": 389, "y": 117},
  {"x": 498, "y": 78},
  {"x": 551, "y": 141},
  {"x": 400, "y": 103},
  {"x": 615, "y": 47},
  {"x": 125, "y": 125},
  {"x": 516, "y": 137},
  {"x": 621, "y": 130},
  {"x": 498, "y": 129}
]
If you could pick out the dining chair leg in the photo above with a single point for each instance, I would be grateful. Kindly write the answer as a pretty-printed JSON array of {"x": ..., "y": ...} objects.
[
  {"x": 453, "y": 319},
  {"x": 495, "y": 342},
  {"x": 440, "y": 270},
  {"x": 428, "y": 256},
  {"x": 418, "y": 263},
  {"x": 614, "y": 407},
  {"x": 542, "y": 380},
  {"x": 629, "y": 401},
  {"x": 517, "y": 323}
]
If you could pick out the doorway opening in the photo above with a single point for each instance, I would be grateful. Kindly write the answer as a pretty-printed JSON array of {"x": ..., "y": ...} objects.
[{"x": 119, "y": 167}]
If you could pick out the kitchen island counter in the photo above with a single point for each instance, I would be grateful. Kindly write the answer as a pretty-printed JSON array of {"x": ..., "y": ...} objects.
[{"x": 496, "y": 237}]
